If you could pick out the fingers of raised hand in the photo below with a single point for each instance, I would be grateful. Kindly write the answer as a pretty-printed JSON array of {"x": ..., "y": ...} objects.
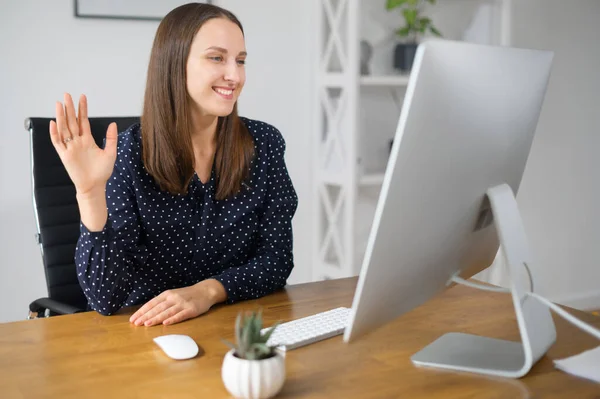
[
  {"x": 82, "y": 117},
  {"x": 55, "y": 137},
  {"x": 63, "y": 132},
  {"x": 69, "y": 125},
  {"x": 61, "y": 123},
  {"x": 71, "y": 116}
]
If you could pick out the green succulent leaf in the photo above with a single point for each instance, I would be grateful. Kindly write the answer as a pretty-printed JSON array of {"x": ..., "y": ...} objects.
[
  {"x": 246, "y": 336},
  {"x": 238, "y": 328},
  {"x": 250, "y": 343},
  {"x": 261, "y": 348},
  {"x": 256, "y": 327},
  {"x": 230, "y": 344},
  {"x": 259, "y": 351},
  {"x": 269, "y": 332}
]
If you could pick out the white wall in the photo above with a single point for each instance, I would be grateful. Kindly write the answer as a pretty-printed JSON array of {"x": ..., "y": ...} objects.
[
  {"x": 560, "y": 191},
  {"x": 45, "y": 51}
]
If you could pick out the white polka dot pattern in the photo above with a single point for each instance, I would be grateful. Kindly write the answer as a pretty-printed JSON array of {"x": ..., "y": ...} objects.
[{"x": 154, "y": 241}]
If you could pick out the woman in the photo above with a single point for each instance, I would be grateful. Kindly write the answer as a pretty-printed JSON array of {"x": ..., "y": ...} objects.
[{"x": 194, "y": 206}]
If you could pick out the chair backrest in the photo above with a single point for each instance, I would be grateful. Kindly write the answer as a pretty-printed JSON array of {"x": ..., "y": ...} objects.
[{"x": 55, "y": 207}]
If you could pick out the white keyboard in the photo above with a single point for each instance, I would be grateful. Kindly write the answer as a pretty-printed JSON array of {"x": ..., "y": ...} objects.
[{"x": 307, "y": 330}]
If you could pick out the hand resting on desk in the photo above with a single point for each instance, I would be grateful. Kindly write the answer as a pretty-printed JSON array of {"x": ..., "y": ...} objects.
[{"x": 174, "y": 306}]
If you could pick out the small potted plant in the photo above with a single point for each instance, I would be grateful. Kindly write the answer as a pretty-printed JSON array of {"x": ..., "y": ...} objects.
[
  {"x": 416, "y": 26},
  {"x": 252, "y": 369}
]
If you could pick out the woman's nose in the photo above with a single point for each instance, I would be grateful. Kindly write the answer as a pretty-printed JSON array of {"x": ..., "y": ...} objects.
[{"x": 232, "y": 72}]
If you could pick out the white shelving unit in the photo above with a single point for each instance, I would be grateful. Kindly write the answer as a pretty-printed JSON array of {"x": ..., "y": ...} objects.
[
  {"x": 386, "y": 81},
  {"x": 344, "y": 195}
]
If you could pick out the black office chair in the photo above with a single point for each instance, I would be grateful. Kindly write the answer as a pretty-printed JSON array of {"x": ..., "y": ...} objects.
[{"x": 57, "y": 216}]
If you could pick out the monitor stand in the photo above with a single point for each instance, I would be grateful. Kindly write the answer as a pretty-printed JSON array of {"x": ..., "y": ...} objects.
[{"x": 477, "y": 354}]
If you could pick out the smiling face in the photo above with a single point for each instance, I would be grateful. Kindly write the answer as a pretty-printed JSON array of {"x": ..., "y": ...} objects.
[{"x": 215, "y": 68}]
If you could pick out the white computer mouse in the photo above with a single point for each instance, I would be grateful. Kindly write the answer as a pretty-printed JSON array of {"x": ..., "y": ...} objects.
[{"x": 177, "y": 346}]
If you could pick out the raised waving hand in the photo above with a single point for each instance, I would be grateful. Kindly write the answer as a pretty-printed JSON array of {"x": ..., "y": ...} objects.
[{"x": 88, "y": 166}]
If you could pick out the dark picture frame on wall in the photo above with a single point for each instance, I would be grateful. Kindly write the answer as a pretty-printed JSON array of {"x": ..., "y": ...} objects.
[{"x": 143, "y": 10}]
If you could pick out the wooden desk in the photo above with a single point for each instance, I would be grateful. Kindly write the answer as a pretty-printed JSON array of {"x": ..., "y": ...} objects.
[{"x": 88, "y": 355}]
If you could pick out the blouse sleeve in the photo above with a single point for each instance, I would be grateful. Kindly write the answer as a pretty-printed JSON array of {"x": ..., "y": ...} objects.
[
  {"x": 106, "y": 260},
  {"x": 273, "y": 263}
]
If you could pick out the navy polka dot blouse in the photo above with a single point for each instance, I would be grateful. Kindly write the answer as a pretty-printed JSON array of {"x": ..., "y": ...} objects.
[{"x": 154, "y": 241}]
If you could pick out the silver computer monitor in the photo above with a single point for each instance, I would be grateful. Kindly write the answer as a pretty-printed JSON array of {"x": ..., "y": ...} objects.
[{"x": 447, "y": 199}]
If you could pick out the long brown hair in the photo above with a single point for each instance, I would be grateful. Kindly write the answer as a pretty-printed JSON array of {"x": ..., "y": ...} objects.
[{"x": 166, "y": 122}]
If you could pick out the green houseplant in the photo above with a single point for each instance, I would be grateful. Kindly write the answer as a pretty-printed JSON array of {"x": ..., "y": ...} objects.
[
  {"x": 415, "y": 27},
  {"x": 252, "y": 369}
]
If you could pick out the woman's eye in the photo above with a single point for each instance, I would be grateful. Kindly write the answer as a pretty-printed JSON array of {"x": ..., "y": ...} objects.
[
  {"x": 241, "y": 62},
  {"x": 216, "y": 58}
]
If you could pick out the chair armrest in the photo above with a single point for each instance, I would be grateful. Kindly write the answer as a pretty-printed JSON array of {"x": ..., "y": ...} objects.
[{"x": 41, "y": 304}]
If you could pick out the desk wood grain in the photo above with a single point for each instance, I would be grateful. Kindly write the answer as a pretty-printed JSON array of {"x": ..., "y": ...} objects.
[{"x": 91, "y": 356}]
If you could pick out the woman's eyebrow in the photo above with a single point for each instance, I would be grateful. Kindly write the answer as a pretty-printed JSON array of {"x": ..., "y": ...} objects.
[{"x": 224, "y": 50}]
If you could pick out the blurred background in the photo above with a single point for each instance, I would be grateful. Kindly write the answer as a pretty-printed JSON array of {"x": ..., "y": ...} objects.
[{"x": 45, "y": 50}]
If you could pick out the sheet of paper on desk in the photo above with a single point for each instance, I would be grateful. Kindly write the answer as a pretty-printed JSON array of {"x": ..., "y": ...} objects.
[{"x": 586, "y": 364}]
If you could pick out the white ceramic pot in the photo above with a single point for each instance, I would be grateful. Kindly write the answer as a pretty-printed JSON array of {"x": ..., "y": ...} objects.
[{"x": 253, "y": 379}]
